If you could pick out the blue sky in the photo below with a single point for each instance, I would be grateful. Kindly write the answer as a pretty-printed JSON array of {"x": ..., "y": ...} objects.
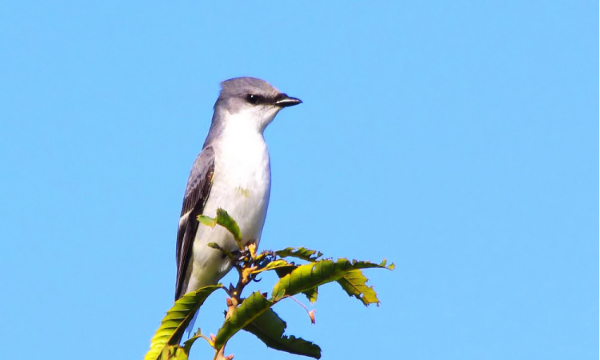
[{"x": 457, "y": 139}]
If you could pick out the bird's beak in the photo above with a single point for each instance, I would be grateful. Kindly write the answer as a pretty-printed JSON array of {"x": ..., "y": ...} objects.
[{"x": 282, "y": 100}]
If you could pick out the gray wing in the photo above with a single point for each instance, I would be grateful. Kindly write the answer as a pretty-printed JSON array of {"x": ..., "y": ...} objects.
[{"x": 196, "y": 194}]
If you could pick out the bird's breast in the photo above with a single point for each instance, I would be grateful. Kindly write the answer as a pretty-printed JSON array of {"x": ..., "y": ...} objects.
[{"x": 242, "y": 183}]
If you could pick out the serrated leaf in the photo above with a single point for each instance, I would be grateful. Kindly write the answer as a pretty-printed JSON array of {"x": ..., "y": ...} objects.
[
  {"x": 300, "y": 253},
  {"x": 251, "y": 308},
  {"x": 269, "y": 328},
  {"x": 173, "y": 352},
  {"x": 389, "y": 267},
  {"x": 354, "y": 283},
  {"x": 176, "y": 320},
  {"x": 225, "y": 221},
  {"x": 276, "y": 264},
  {"x": 311, "y": 294},
  {"x": 228, "y": 223},
  {"x": 187, "y": 345},
  {"x": 309, "y": 276},
  {"x": 283, "y": 271}
]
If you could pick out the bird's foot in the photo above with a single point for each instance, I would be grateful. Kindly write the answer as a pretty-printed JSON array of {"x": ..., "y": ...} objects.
[{"x": 247, "y": 254}]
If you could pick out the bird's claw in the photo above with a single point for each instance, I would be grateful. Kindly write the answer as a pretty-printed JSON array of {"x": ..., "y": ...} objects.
[{"x": 241, "y": 256}]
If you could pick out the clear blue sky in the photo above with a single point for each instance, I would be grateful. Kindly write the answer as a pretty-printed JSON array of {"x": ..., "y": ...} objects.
[{"x": 458, "y": 139}]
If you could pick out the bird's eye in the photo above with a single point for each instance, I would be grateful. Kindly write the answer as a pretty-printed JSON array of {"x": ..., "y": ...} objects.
[{"x": 253, "y": 99}]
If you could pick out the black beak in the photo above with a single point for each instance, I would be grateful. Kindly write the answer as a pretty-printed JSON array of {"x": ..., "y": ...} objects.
[{"x": 282, "y": 100}]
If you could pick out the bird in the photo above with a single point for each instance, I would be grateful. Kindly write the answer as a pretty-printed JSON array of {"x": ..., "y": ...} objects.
[{"x": 232, "y": 172}]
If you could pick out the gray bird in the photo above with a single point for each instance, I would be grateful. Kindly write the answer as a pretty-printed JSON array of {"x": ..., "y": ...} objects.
[{"x": 233, "y": 173}]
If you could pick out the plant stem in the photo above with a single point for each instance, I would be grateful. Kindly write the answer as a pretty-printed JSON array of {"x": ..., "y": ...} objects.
[{"x": 244, "y": 278}]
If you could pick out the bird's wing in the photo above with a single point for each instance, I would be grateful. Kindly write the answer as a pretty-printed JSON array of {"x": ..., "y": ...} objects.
[{"x": 196, "y": 194}]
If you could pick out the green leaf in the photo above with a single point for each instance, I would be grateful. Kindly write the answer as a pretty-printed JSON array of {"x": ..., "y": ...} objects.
[
  {"x": 309, "y": 276},
  {"x": 225, "y": 221},
  {"x": 276, "y": 265},
  {"x": 228, "y": 223},
  {"x": 354, "y": 283},
  {"x": 187, "y": 345},
  {"x": 269, "y": 328},
  {"x": 311, "y": 294},
  {"x": 391, "y": 266},
  {"x": 176, "y": 320},
  {"x": 208, "y": 221},
  {"x": 173, "y": 352},
  {"x": 251, "y": 308},
  {"x": 283, "y": 271},
  {"x": 300, "y": 253}
]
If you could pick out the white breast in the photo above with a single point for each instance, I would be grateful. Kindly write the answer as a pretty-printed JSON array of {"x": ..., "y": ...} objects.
[
  {"x": 242, "y": 182},
  {"x": 241, "y": 186}
]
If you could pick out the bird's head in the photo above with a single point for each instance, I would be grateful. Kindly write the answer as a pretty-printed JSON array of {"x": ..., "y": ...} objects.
[{"x": 251, "y": 101}]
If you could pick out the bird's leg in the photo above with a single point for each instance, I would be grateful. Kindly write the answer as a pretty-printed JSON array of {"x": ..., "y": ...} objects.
[
  {"x": 241, "y": 256},
  {"x": 248, "y": 255}
]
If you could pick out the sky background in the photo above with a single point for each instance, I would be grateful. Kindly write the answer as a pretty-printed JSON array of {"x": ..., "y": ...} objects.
[{"x": 456, "y": 139}]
